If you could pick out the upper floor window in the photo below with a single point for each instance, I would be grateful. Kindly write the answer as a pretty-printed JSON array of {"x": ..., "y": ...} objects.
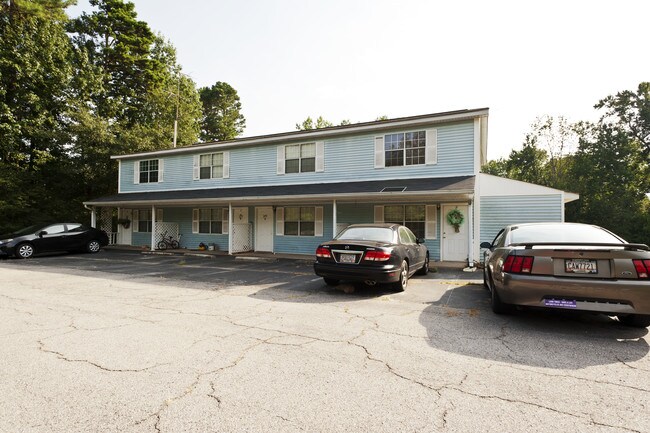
[
  {"x": 301, "y": 158},
  {"x": 148, "y": 171},
  {"x": 212, "y": 165},
  {"x": 406, "y": 148}
]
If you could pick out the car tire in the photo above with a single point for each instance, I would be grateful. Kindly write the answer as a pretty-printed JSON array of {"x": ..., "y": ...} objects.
[
  {"x": 93, "y": 246},
  {"x": 400, "y": 285},
  {"x": 24, "y": 250},
  {"x": 162, "y": 245},
  {"x": 331, "y": 281},
  {"x": 425, "y": 267},
  {"x": 635, "y": 320}
]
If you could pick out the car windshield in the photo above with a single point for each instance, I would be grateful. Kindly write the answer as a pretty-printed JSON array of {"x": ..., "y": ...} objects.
[
  {"x": 378, "y": 234},
  {"x": 28, "y": 230},
  {"x": 561, "y": 233}
]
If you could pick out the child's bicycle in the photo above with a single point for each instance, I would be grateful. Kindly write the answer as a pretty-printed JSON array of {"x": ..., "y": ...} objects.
[{"x": 167, "y": 242}]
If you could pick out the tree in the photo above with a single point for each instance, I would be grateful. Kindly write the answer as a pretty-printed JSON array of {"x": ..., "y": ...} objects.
[{"x": 222, "y": 118}]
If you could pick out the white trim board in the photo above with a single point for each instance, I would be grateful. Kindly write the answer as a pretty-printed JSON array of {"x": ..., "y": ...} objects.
[{"x": 491, "y": 186}]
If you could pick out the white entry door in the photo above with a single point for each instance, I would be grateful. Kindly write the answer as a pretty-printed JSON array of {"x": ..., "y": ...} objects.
[
  {"x": 264, "y": 229},
  {"x": 126, "y": 233},
  {"x": 455, "y": 244}
]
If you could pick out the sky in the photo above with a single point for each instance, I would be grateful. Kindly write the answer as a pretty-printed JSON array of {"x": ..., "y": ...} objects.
[{"x": 360, "y": 59}]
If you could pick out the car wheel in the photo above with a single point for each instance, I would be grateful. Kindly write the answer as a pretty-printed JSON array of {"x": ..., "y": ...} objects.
[
  {"x": 162, "y": 245},
  {"x": 175, "y": 245},
  {"x": 24, "y": 251},
  {"x": 498, "y": 306},
  {"x": 93, "y": 246},
  {"x": 425, "y": 267},
  {"x": 400, "y": 285},
  {"x": 635, "y": 320},
  {"x": 331, "y": 281}
]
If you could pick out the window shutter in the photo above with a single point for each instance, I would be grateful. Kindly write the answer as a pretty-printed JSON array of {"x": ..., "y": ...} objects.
[
  {"x": 136, "y": 220},
  {"x": 195, "y": 220},
  {"x": 320, "y": 156},
  {"x": 380, "y": 155},
  {"x": 280, "y": 159},
  {"x": 195, "y": 168},
  {"x": 431, "y": 151},
  {"x": 430, "y": 227},
  {"x": 225, "y": 220},
  {"x": 159, "y": 215},
  {"x": 161, "y": 169},
  {"x": 318, "y": 221},
  {"x": 136, "y": 172},
  {"x": 279, "y": 221},
  {"x": 379, "y": 214},
  {"x": 226, "y": 165}
]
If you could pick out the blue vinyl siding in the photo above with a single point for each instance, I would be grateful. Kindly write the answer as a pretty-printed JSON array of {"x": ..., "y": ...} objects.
[
  {"x": 345, "y": 158},
  {"x": 500, "y": 211}
]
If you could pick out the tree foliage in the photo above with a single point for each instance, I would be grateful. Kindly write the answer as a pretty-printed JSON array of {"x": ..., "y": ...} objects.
[{"x": 222, "y": 118}]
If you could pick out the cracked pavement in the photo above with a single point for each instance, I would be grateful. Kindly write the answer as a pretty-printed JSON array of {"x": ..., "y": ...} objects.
[{"x": 119, "y": 342}]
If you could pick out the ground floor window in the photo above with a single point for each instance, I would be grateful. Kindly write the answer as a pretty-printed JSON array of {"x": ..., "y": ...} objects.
[
  {"x": 412, "y": 216},
  {"x": 299, "y": 221},
  {"x": 144, "y": 220},
  {"x": 210, "y": 221}
]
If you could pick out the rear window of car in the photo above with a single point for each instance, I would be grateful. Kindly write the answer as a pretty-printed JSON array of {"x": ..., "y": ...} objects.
[
  {"x": 561, "y": 233},
  {"x": 378, "y": 234}
]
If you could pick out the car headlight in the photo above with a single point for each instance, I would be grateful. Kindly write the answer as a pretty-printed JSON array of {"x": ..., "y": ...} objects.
[{"x": 5, "y": 241}]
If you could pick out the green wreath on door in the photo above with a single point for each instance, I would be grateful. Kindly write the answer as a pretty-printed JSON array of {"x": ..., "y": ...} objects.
[{"x": 455, "y": 218}]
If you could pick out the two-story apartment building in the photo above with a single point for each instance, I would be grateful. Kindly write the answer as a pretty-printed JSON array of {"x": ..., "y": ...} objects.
[{"x": 286, "y": 193}]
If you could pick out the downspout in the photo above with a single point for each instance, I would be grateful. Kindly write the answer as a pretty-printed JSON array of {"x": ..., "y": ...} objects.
[
  {"x": 470, "y": 222},
  {"x": 334, "y": 219},
  {"x": 93, "y": 216},
  {"x": 153, "y": 227}
]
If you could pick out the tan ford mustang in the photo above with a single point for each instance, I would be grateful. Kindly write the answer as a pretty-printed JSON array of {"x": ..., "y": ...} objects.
[{"x": 568, "y": 266}]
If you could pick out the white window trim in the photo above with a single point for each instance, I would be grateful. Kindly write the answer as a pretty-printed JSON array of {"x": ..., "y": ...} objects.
[
  {"x": 196, "y": 166},
  {"x": 319, "y": 159},
  {"x": 430, "y": 219},
  {"x": 196, "y": 218},
  {"x": 318, "y": 222},
  {"x": 430, "y": 149},
  {"x": 136, "y": 170}
]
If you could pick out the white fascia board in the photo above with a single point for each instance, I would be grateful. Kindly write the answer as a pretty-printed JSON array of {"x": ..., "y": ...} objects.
[
  {"x": 500, "y": 186},
  {"x": 315, "y": 134}
]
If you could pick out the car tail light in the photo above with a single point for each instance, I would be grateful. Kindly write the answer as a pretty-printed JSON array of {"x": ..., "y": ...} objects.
[
  {"x": 377, "y": 256},
  {"x": 323, "y": 253},
  {"x": 518, "y": 264},
  {"x": 642, "y": 268}
]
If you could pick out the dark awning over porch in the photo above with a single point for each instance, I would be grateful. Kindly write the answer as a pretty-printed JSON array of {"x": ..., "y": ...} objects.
[{"x": 439, "y": 188}]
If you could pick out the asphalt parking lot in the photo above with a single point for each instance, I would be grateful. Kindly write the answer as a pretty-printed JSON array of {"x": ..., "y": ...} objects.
[{"x": 120, "y": 341}]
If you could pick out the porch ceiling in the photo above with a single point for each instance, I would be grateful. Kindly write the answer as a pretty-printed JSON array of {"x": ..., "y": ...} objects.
[{"x": 394, "y": 190}]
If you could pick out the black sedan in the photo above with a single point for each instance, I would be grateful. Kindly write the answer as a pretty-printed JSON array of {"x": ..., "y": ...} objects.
[
  {"x": 568, "y": 266},
  {"x": 52, "y": 237},
  {"x": 374, "y": 254}
]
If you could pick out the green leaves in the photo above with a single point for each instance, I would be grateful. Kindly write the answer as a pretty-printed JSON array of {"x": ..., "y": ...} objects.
[{"x": 222, "y": 118}]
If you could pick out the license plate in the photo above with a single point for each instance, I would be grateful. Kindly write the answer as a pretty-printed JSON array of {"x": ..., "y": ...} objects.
[
  {"x": 560, "y": 303},
  {"x": 581, "y": 266},
  {"x": 348, "y": 258}
]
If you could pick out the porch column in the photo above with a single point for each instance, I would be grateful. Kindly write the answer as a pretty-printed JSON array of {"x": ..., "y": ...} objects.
[
  {"x": 470, "y": 237},
  {"x": 153, "y": 227},
  {"x": 229, "y": 228},
  {"x": 334, "y": 219},
  {"x": 93, "y": 217}
]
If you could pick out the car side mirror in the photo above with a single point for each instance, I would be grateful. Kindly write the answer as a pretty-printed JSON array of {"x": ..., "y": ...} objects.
[
  {"x": 420, "y": 241},
  {"x": 486, "y": 245},
  {"x": 42, "y": 233}
]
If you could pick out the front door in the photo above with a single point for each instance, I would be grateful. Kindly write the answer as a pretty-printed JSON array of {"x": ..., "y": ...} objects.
[
  {"x": 126, "y": 232},
  {"x": 455, "y": 240},
  {"x": 264, "y": 229}
]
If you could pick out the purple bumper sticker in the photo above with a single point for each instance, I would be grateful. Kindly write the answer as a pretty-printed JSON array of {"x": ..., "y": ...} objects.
[{"x": 560, "y": 303}]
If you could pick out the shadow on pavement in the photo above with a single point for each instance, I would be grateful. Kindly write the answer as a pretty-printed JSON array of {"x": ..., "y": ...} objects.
[{"x": 541, "y": 338}]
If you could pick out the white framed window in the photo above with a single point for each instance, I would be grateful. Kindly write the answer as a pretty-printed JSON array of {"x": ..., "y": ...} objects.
[
  {"x": 299, "y": 221},
  {"x": 148, "y": 171},
  {"x": 144, "y": 220},
  {"x": 212, "y": 166},
  {"x": 420, "y": 219},
  {"x": 406, "y": 148},
  {"x": 301, "y": 158},
  {"x": 210, "y": 220}
]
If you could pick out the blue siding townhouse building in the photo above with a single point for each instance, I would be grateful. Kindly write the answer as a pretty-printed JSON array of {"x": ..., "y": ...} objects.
[{"x": 288, "y": 192}]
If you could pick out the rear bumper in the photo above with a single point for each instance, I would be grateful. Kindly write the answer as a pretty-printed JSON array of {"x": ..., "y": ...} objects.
[
  {"x": 605, "y": 296},
  {"x": 385, "y": 274}
]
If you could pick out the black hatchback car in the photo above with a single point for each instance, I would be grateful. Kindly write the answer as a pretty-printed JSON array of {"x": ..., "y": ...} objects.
[
  {"x": 52, "y": 237},
  {"x": 372, "y": 253}
]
